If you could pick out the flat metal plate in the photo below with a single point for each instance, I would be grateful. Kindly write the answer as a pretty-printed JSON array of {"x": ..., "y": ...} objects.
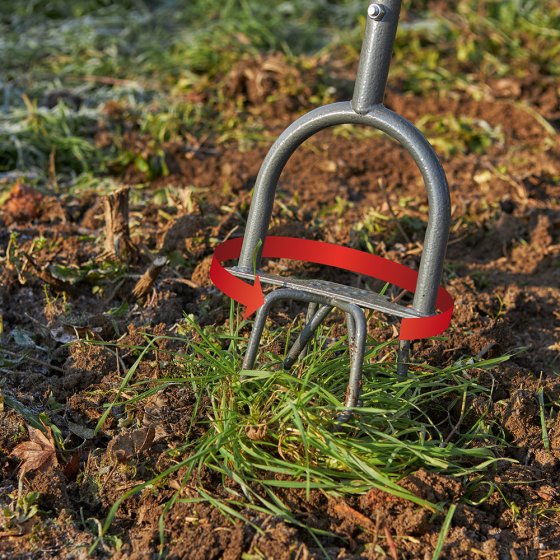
[{"x": 362, "y": 298}]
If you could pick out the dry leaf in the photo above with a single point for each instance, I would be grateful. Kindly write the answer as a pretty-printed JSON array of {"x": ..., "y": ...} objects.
[
  {"x": 128, "y": 445},
  {"x": 38, "y": 453},
  {"x": 23, "y": 204},
  {"x": 72, "y": 466},
  {"x": 256, "y": 433},
  {"x": 329, "y": 166},
  {"x": 81, "y": 431},
  {"x": 547, "y": 492}
]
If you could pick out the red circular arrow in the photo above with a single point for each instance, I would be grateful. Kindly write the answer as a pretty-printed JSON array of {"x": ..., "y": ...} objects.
[{"x": 329, "y": 254}]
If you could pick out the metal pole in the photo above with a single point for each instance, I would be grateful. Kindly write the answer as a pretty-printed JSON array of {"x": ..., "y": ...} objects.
[{"x": 375, "y": 58}]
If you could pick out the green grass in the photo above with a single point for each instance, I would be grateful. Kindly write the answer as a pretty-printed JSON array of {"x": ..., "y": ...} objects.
[
  {"x": 444, "y": 530},
  {"x": 265, "y": 431},
  {"x": 43, "y": 141},
  {"x": 451, "y": 135},
  {"x": 156, "y": 58}
]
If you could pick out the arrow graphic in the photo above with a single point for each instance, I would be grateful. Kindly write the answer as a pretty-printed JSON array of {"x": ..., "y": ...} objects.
[
  {"x": 250, "y": 296},
  {"x": 319, "y": 252}
]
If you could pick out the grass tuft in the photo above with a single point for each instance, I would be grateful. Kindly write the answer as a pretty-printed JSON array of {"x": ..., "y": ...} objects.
[{"x": 267, "y": 431}]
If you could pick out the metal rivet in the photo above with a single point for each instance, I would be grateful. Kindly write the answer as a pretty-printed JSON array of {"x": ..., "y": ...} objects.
[{"x": 376, "y": 12}]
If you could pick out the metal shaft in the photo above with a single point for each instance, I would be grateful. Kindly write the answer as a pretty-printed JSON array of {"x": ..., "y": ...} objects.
[{"x": 375, "y": 58}]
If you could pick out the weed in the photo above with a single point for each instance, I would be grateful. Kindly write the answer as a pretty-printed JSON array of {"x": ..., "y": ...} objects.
[
  {"x": 267, "y": 430},
  {"x": 443, "y": 532},
  {"x": 542, "y": 417},
  {"x": 24, "y": 507},
  {"x": 451, "y": 135}
]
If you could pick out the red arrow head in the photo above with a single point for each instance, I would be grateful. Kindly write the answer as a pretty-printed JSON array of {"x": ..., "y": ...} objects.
[{"x": 255, "y": 300}]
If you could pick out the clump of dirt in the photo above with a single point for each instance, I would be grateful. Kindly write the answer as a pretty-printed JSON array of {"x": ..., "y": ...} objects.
[
  {"x": 12, "y": 429},
  {"x": 432, "y": 486},
  {"x": 269, "y": 85},
  {"x": 52, "y": 485},
  {"x": 87, "y": 365},
  {"x": 23, "y": 204}
]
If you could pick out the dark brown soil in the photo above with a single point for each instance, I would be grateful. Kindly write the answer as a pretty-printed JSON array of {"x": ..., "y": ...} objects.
[{"x": 502, "y": 268}]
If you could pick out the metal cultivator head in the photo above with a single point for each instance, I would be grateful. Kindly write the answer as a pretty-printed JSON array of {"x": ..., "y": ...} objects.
[{"x": 366, "y": 108}]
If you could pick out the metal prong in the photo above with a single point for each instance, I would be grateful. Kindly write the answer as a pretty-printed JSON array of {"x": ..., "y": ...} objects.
[
  {"x": 403, "y": 357},
  {"x": 306, "y": 335},
  {"x": 357, "y": 351},
  {"x": 311, "y": 309}
]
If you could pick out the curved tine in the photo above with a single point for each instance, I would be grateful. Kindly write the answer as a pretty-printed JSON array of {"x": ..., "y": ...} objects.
[
  {"x": 351, "y": 326},
  {"x": 311, "y": 309},
  {"x": 357, "y": 352},
  {"x": 258, "y": 326},
  {"x": 403, "y": 357},
  {"x": 260, "y": 319},
  {"x": 256, "y": 334},
  {"x": 306, "y": 335}
]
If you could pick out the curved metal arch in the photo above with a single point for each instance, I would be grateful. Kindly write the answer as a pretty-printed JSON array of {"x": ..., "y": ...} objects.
[{"x": 398, "y": 128}]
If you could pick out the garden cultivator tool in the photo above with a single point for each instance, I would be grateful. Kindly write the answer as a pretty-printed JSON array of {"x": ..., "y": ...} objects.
[{"x": 366, "y": 108}]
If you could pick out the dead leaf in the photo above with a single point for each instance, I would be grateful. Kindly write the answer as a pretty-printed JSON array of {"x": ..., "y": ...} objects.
[
  {"x": 72, "y": 466},
  {"x": 506, "y": 87},
  {"x": 81, "y": 431},
  {"x": 23, "y": 204},
  {"x": 547, "y": 493},
  {"x": 61, "y": 334},
  {"x": 37, "y": 454},
  {"x": 256, "y": 433},
  {"x": 328, "y": 166},
  {"x": 132, "y": 444}
]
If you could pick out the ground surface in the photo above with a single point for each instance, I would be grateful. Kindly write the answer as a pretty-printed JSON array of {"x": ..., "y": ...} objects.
[{"x": 123, "y": 97}]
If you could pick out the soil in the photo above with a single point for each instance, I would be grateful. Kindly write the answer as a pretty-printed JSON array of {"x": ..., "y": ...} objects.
[{"x": 502, "y": 268}]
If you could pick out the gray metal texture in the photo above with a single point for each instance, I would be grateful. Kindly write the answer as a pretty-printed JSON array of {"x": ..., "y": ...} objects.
[
  {"x": 312, "y": 323},
  {"x": 379, "y": 117},
  {"x": 366, "y": 109},
  {"x": 349, "y": 294},
  {"x": 311, "y": 309},
  {"x": 375, "y": 58}
]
